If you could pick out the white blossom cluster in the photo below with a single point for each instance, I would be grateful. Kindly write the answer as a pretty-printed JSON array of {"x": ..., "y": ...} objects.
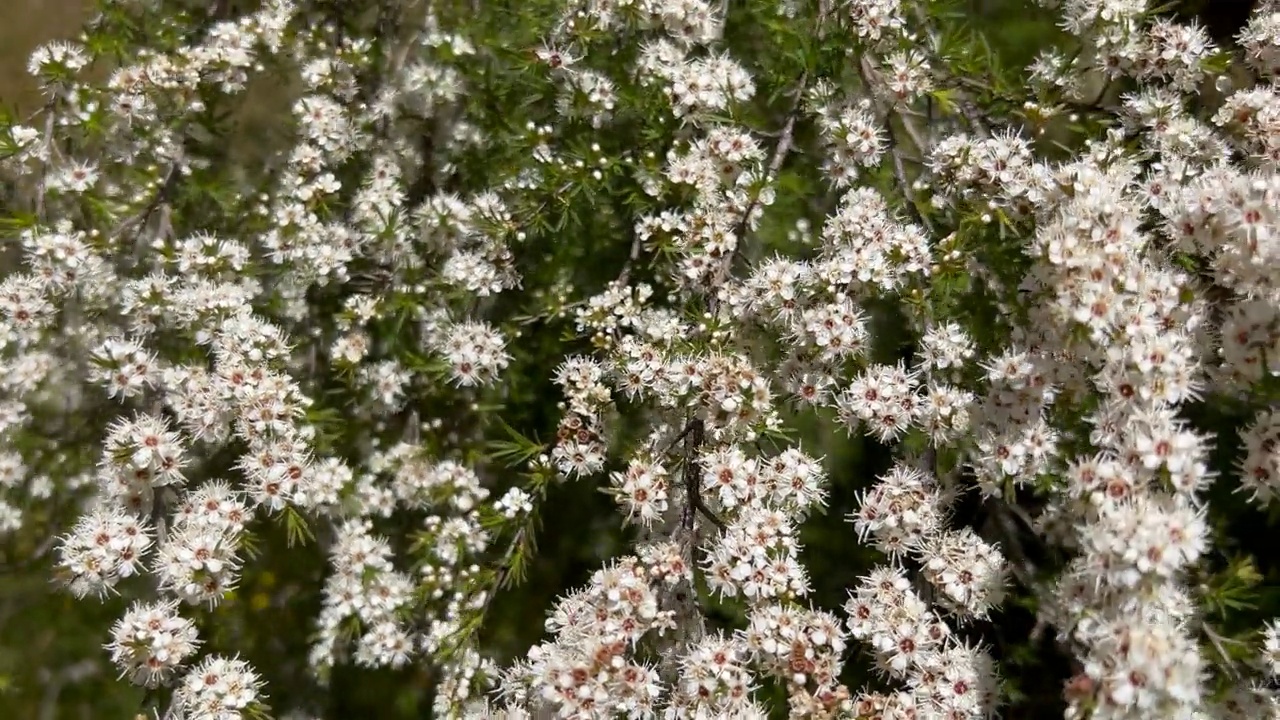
[
  {"x": 585, "y": 669},
  {"x": 199, "y": 350},
  {"x": 1107, "y": 316}
]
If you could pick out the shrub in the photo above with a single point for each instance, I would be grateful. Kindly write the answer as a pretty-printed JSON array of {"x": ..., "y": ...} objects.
[{"x": 822, "y": 360}]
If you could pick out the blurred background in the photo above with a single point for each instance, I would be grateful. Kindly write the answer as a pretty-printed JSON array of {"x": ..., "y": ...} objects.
[{"x": 24, "y": 25}]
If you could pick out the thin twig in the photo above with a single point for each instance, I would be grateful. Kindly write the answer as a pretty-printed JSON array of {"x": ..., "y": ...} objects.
[
  {"x": 895, "y": 146},
  {"x": 162, "y": 196},
  {"x": 904, "y": 183},
  {"x": 1219, "y": 643},
  {"x": 786, "y": 138},
  {"x": 632, "y": 258}
]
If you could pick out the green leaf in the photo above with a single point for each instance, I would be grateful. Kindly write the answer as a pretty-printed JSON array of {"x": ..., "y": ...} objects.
[
  {"x": 517, "y": 451},
  {"x": 298, "y": 533}
]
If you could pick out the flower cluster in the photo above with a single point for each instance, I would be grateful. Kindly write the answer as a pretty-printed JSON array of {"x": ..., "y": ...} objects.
[
  {"x": 911, "y": 642},
  {"x": 586, "y": 669},
  {"x": 151, "y": 641}
]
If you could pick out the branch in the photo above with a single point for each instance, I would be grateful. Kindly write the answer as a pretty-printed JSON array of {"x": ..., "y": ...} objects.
[
  {"x": 904, "y": 183},
  {"x": 786, "y": 138},
  {"x": 1219, "y": 644},
  {"x": 163, "y": 195},
  {"x": 895, "y": 147}
]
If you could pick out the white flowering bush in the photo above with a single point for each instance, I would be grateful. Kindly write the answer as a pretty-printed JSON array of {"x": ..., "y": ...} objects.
[{"x": 639, "y": 359}]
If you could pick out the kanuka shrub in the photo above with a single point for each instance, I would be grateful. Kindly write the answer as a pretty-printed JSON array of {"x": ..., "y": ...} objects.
[{"x": 338, "y": 308}]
